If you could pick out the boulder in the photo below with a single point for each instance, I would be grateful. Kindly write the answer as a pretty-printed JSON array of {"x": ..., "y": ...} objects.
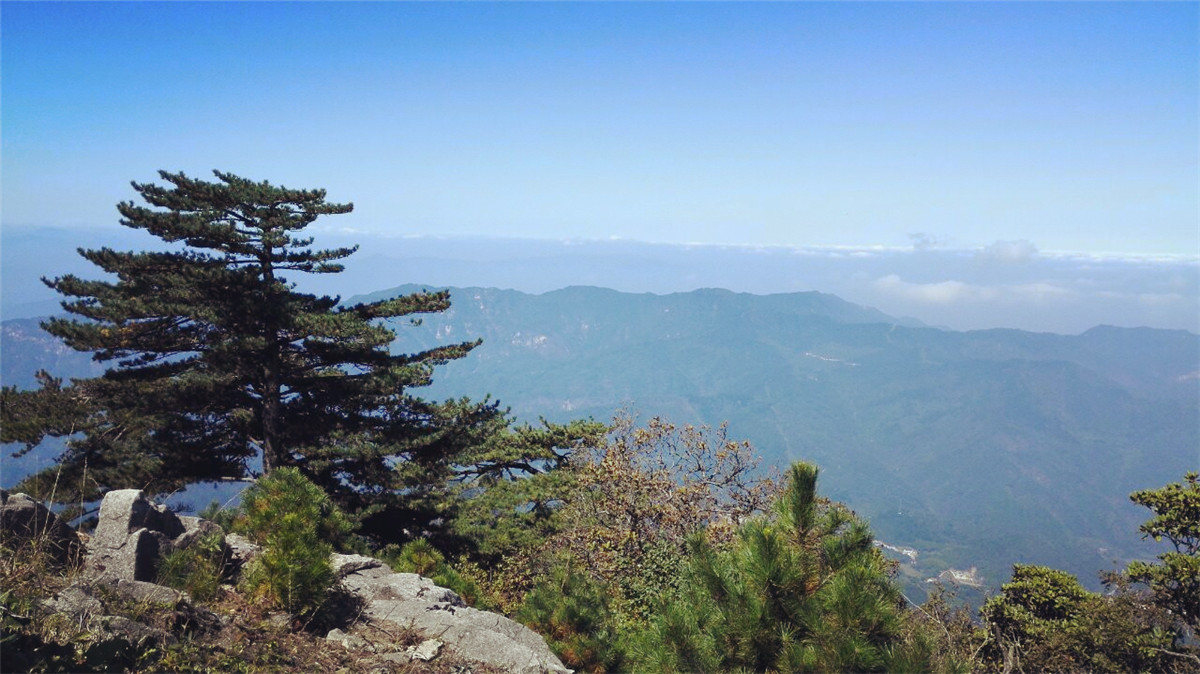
[
  {"x": 424, "y": 651},
  {"x": 106, "y": 608},
  {"x": 410, "y": 601},
  {"x": 351, "y": 641},
  {"x": 133, "y": 535},
  {"x": 344, "y": 565},
  {"x": 84, "y": 598},
  {"x": 24, "y": 522},
  {"x": 195, "y": 529},
  {"x": 124, "y": 511},
  {"x": 241, "y": 551}
]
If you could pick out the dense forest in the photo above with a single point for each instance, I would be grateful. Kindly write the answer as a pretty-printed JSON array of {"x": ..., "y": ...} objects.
[{"x": 632, "y": 544}]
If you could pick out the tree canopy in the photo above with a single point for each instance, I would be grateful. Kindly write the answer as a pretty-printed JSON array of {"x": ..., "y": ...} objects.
[
  {"x": 1175, "y": 582},
  {"x": 218, "y": 364},
  {"x": 804, "y": 591}
]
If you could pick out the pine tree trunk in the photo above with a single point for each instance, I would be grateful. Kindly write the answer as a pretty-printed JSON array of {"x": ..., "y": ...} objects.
[
  {"x": 271, "y": 374},
  {"x": 270, "y": 413}
]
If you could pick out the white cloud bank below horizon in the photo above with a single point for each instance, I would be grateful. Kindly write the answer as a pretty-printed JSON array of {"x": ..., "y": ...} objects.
[
  {"x": 951, "y": 292},
  {"x": 1006, "y": 284}
]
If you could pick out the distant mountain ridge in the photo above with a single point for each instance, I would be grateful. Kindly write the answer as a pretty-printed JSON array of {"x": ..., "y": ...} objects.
[{"x": 978, "y": 448}]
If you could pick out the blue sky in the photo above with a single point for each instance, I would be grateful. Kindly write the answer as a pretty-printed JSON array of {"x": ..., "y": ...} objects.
[{"x": 1072, "y": 126}]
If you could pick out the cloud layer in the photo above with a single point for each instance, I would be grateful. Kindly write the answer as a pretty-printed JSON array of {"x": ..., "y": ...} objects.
[{"x": 1007, "y": 284}]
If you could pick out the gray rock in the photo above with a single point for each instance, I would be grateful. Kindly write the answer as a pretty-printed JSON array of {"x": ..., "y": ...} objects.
[
  {"x": 147, "y": 593},
  {"x": 124, "y": 511},
  {"x": 136, "y": 559},
  {"x": 412, "y": 602},
  {"x": 280, "y": 621},
  {"x": 241, "y": 551},
  {"x": 380, "y": 583},
  {"x": 350, "y": 641},
  {"x": 78, "y": 601},
  {"x": 86, "y": 596},
  {"x": 132, "y": 536},
  {"x": 195, "y": 529},
  {"x": 344, "y": 565},
  {"x": 424, "y": 651},
  {"x": 111, "y": 630},
  {"x": 93, "y": 602},
  {"x": 24, "y": 521}
]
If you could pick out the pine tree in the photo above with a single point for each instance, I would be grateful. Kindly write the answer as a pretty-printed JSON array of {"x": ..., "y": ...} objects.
[
  {"x": 1175, "y": 583},
  {"x": 216, "y": 361},
  {"x": 805, "y": 591}
]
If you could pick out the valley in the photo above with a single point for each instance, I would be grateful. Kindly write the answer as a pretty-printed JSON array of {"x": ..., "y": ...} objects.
[{"x": 981, "y": 448}]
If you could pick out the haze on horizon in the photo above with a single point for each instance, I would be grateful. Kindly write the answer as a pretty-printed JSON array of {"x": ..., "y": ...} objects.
[{"x": 990, "y": 159}]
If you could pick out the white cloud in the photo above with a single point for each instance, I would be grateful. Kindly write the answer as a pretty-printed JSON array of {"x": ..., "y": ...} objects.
[
  {"x": 1148, "y": 299},
  {"x": 1009, "y": 251},
  {"x": 943, "y": 292},
  {"x": 1040, "y": 291},
  {"x": 951, "y": 292},
  {"x": 1170, "y": 259}
]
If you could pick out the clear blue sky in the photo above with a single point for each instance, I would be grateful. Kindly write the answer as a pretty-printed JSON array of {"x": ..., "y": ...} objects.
[{"x": 1071, "y": 125}]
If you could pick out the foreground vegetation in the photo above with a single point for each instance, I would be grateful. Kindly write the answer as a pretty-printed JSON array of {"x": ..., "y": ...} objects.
[
  {"x": 797, "y": 586},
  {"x": 630, "y": 547}
]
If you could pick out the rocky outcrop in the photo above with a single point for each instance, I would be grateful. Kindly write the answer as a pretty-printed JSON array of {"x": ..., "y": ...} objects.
[
  {"x": 119, "y": 621},
  {"x": 24, "y": 521},
  {"x": 413, "y": 602},
  {"x": 99, "y": 604},
  {"x": 133, "y": 535},
  {"x": 398, "y": 618}
]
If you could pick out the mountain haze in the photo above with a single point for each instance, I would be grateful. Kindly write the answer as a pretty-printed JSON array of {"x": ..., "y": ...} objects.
[{"x": 976, "y": 448}]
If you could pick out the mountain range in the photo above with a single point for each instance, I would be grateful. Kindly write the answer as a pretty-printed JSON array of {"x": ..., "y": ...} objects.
[
  {"x": 976, "y": 449},
  {"x": 963, "y": 449}
]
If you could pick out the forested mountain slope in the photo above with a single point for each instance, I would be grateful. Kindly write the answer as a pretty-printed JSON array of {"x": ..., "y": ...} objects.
[{"x": 974, "y": 448}]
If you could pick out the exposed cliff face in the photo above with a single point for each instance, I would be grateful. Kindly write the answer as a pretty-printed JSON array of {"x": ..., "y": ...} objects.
[{"x": 119, "y": 617}]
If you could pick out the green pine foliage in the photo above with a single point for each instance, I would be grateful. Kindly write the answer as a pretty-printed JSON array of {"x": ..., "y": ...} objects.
[
  {"x": 1175, "y": 581},
  {"x": 511, "y": 487},
  {"x": 802, "y": 591},
  {"x": 1044, "y": 620},
  {"x": 216, "y": 361},
  {"x": 197, "y": 569},
  {"x": 575, "y": 616},
  {"x": 419, "y": 556},
  {"x": 297, "y": 525}
]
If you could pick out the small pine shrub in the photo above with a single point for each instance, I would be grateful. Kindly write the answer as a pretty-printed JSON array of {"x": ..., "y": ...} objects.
[
  {"x": 417, "y": 556},
  {"x": 576, "y": 618},
  {"x": 803, "y": 591},
  {"x": 222, "y": 516},
  {"x": 297, "y": 525},
  {"x": 420, "y": 557},
  {"x": 197, "y": 569}
]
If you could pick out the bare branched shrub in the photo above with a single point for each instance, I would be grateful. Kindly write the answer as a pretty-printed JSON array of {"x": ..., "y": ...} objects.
[{"x": 645, "y": 490}]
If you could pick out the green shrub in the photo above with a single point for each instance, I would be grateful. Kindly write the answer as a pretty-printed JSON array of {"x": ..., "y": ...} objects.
[
  {"x": 222, "y": 516},
  {"x": 1045, "y": 620},
  {"x": 197, "y": 569},
  {"x": 804, "y": 591},
  {"x": 297, "y": 525},
  {"x": 420, "y": 557},
  {"x": 576, "y": 618}
]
